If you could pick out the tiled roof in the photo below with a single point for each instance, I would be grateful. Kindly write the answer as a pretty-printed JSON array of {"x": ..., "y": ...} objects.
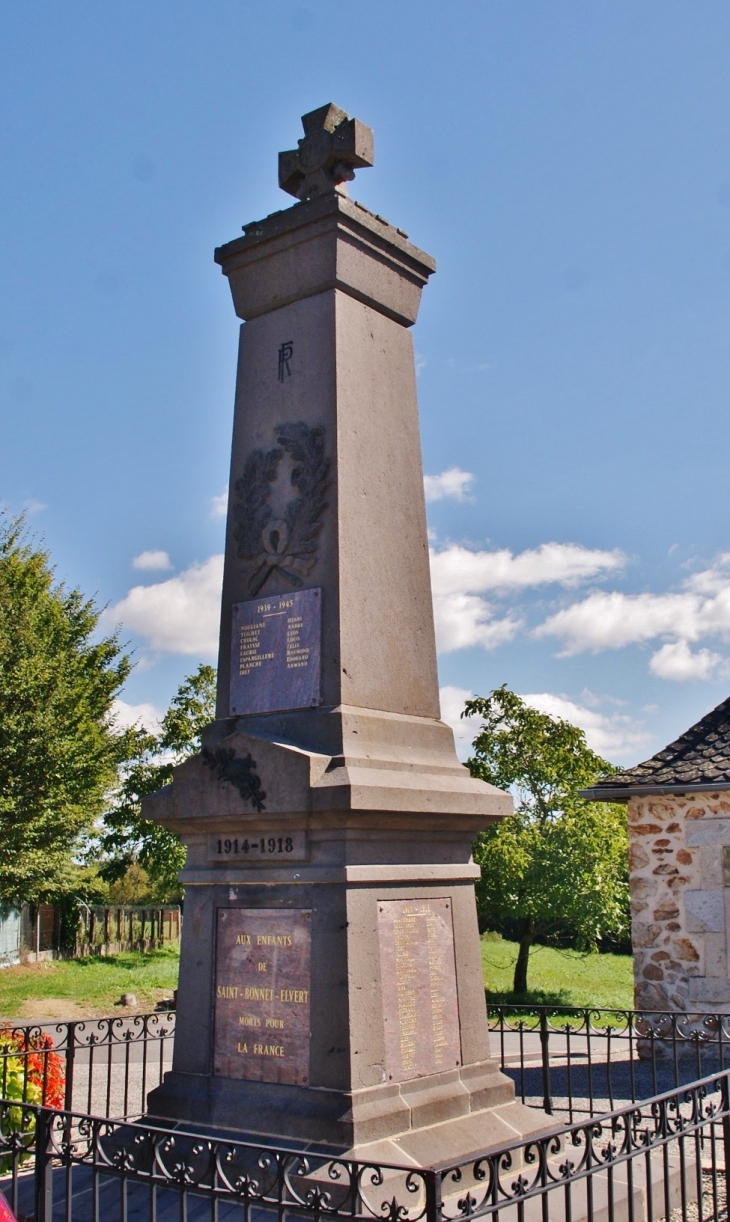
[{"x": 701, "y": 756}]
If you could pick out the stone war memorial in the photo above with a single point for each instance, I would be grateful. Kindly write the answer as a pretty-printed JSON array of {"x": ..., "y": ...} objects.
[
  {"x": 331, "y": 990},
  {"x": 679, "y": 868}
]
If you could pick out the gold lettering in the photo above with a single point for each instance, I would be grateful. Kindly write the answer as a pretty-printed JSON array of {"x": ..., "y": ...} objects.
[
  {"x": 227, "y": 990},
  {"x": 268, "y": 1050},
  {"x": 250, "y": 993},
  {"x": 241, "y": 1047},
  {"x": 243, "y": 939},
  {"x": 299, "y": 996},
  {"x": 250, "y": 1020},
  {"x": 275, "y": 1022},
  {"x": 273, "y": 939}
]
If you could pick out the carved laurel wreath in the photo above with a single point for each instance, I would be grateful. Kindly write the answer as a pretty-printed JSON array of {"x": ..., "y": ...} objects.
[
  {"x": 238, "y": 772},
  {"x": 286, "y": 545}
]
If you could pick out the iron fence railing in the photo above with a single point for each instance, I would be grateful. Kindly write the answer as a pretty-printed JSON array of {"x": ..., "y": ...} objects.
[
  {"x": 668, "y": 1157},
  {"x": 104, "y": 1066},
  {"x": 571, "y": 1063},
  {"x": 576, "y": 1061}
]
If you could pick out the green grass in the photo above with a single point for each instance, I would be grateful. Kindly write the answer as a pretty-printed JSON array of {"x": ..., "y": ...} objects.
[
  {"x": 557, "y": 977},
  {"x": 87, "y": 987}
]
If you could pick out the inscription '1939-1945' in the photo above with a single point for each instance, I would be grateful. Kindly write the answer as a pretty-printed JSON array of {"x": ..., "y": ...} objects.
[
  {"x": 262, "y": 994},
  {"x": 276, "y": 652}
]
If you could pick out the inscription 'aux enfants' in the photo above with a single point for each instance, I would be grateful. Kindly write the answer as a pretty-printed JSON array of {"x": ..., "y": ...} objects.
[{"x": 262, "y": 995}]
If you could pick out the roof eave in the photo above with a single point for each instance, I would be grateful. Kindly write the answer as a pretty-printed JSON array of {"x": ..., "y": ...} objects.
[{"x": 624, "y": 792}]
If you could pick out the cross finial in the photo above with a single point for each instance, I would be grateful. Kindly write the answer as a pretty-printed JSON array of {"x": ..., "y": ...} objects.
[{"x": 333, "y": 146}]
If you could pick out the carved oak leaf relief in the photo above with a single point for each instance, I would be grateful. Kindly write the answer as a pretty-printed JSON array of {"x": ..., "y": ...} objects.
[{"x": 287, "y": 545}]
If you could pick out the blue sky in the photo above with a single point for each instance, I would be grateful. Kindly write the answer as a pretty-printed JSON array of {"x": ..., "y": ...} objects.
[{"x": 567, "y": 163}]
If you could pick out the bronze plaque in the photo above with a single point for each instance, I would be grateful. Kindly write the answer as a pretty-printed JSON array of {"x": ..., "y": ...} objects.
[
  {"x": 418, "y": 974},
  {"x": 276, "y": 658},
  {"x": 263, "y": 958}
]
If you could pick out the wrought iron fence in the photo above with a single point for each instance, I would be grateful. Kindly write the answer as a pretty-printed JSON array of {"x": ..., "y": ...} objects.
[
  {"x": 665, "y": 1158},
  {"x": 576, "y": 1061},
  {"x": 572, "y": 1062},
  {"x": 104, "y": 1066}
]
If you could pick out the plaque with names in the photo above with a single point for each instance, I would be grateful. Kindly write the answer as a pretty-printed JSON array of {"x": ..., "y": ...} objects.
[
  {"x": 262, "y": 984},
  {"x": 276, "y": 653},
  {"x": 418, "y": 975}
]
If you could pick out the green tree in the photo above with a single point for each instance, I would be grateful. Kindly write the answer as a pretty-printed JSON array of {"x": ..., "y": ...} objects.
[
  {"x": 129, "y": 839},
  {"x": 560, "y": 861},
  {"x": 59, "y": 751}
]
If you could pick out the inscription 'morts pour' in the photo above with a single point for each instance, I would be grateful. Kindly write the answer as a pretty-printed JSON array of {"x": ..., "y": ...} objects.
[
  {"x": 420, "y": 1009},
  {"x": 276, "y": 653},
  {"x": 286, "y": 545},
  {"x": 263, "y": 958}
]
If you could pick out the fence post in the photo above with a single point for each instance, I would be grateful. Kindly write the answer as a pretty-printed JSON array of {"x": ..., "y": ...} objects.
[
  {"x": 725, "y": 1096},
  {"x": 547, "y": 1101},
  {"x": 432, "y": 1184},
  {"x": 70, "y": 1058},
  {"x": 43, "y": 1166}
]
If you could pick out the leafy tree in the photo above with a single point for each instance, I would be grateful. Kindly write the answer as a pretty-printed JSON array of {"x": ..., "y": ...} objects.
[
  {"x": 59, "y": 751},
  {"x": 129, "y": 839},
  {"x": 561, "y": 861}
]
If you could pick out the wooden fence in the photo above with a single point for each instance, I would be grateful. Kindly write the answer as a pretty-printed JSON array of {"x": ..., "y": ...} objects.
[{"x": 107, "y": 930}]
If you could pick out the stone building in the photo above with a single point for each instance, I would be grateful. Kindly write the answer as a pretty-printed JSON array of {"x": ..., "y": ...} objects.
[{"x": 679, "y": 866}]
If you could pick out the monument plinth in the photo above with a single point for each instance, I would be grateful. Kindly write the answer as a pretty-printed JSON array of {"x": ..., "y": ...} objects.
[{"x": 330, "y": 982}]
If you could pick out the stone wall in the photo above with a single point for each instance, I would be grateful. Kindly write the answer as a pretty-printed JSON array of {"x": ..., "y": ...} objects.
[{"x": 679, "y": 905}]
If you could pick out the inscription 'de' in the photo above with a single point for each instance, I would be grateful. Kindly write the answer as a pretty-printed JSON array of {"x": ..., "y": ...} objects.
[
  {"x": 420, "y": 1009},
  {"x": 262, "y": 984}
]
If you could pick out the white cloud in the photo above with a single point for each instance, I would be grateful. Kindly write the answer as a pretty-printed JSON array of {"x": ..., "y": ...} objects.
[
  {"x": 179, "y": 615},
  {"x": 612, "y": 735},
  {"x": 613, "y": 620},
  {"x": 152, "y": 560},
  {"x": 615, "y": 736},
  {"x": 456, "y": 568},
  {"x": 463, "y": 620},
  {"x": 454, "y": 484},
  {"x": 219, "y": 504},
  {"x": 676, "y": 661},
  {"x": 610, "y": 620},
  {"x": 125, "y": 715},
  {"x": 33, "y": 506},
  {"x": 459, "y": 576}
]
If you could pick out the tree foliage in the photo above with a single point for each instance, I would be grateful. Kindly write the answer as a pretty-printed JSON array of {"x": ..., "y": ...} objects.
[
  {"x": 129, "y": 839},
  {"x": 561, "y": 862},
  {"x": 59, "y": 751}
]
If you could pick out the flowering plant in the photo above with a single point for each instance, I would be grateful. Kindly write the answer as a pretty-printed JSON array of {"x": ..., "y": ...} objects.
[{"x": 31, "y": 1073}]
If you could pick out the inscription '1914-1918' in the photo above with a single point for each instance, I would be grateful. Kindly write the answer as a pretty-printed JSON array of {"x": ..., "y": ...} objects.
[
  {"x": 420, "y": 1008},
  {"x": 263, "y": 958}
]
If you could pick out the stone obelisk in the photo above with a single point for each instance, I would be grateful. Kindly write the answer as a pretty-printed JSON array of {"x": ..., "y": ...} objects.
[{"x": 330, "y": 981}]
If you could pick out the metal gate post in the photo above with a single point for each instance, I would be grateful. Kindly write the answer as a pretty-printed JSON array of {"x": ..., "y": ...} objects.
[
  {"x": 547, "y": 1101},
  {"x": 43, "y": 1166}
]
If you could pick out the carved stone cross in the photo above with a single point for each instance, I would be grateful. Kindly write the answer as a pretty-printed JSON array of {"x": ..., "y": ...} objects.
[{"x": 334, "y": 145}]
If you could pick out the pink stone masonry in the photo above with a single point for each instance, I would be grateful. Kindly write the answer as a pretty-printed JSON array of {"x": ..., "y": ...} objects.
[{"x": 679, "y": 904}]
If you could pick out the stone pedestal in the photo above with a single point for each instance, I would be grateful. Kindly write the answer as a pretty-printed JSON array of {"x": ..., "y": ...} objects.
[{"x": 331, "y": 982}]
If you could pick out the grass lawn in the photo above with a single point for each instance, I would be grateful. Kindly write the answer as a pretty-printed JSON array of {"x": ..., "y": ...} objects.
[
  {"x": 558, "y": 977},
  {"x": 87, "y": 988}
]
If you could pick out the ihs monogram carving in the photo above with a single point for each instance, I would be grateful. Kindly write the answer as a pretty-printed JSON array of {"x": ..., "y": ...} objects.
[
  {"x": 285, "y": 545},
  {"x": 237, "y": 772}
]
